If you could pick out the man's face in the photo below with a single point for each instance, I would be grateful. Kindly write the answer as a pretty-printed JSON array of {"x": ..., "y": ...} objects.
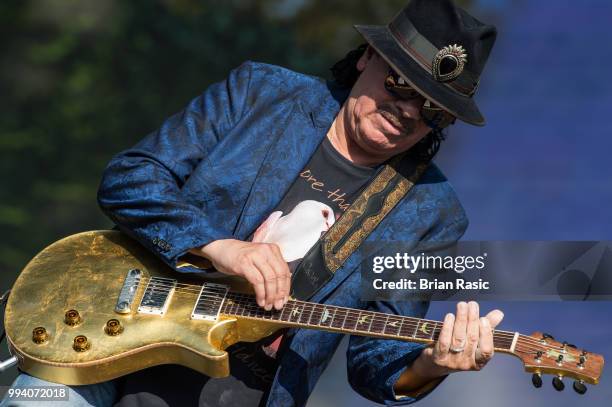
[{"x": 378, "y": 121}]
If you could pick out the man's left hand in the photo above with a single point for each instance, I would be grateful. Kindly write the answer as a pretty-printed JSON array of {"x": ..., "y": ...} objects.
[{"x": 465, "y": 343}]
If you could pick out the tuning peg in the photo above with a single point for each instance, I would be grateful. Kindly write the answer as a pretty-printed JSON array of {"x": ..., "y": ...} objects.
[
  {"x": 536, "y": 379},
  {"x": 579, "y": 387},
  {"x": 558, "y": 383}
]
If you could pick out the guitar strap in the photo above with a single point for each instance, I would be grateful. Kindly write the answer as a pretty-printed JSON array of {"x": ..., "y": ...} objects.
[{"x": 375, "y": 202}]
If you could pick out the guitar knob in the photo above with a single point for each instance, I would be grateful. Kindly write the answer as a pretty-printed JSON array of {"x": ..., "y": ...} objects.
[
  {"x": 579, "y": 387},
  {"x": 40, "y": 335},
  {"x": 81, "y": 344},
  {"x": 72, "y": 317},
  {"x": 113, "y": 327},
  {"x": 558, "y": 383},
  {"x": 536, "y": 379}
]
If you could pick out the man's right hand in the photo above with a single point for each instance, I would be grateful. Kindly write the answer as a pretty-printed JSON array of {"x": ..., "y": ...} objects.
[{"x": 261, "y": 264}]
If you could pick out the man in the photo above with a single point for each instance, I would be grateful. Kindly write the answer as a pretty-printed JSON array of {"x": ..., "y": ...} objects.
[{"x": 269, "y": 156}]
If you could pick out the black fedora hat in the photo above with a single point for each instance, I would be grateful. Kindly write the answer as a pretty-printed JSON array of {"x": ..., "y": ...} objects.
[{"x": 440, "y": 50}]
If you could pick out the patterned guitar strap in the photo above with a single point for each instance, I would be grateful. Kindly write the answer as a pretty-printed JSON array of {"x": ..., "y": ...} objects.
[{"x": 380, "y": 196}]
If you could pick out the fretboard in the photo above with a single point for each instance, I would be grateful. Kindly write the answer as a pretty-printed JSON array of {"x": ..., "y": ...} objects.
[{"x": 311, "y": 315}]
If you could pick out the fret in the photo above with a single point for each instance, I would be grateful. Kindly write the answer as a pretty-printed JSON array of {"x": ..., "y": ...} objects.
[
  {"x": 326, "y": 316},
  {"x": 336, "y": 323},
  {"x": 227, "y": 305},
  {"x": 237, "y": 307},
  {"x": 385, "y": 324},
  {"x": 424, "y": 330},
  {"x": 244, "y": 309},
  {"x": 351, "y": 321},
  {"x": 433, "y": 331},
  {"x": 416, "y": 329},
  {"x": 501, "y": 339},
  {"x": 346, "y": 313},
  {"x": 302, "y": 319},
  {"x": 407, "y": 328},
  {"x": 276, "y": 314},
  {"x": 392, "y": 328},
  {"x": 312, "y": 312},
  {"x": 371, "y": 322},
  {"x": 295, "y": 312},
  {"x": 376, "y": 322},
  {"x": 285, "y": 308}
]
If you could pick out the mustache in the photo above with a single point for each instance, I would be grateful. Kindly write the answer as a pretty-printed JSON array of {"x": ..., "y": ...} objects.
[{"x": 393, "y": 115}]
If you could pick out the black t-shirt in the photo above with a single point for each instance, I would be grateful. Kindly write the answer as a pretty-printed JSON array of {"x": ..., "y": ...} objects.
[{"x": 324, "y": 189}]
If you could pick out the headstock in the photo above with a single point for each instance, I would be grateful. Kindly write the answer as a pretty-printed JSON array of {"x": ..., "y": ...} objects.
[{"x": 542, "y": 354}]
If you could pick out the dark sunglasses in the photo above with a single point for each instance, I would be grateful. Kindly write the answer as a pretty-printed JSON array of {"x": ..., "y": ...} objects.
[{"x": 433, "y": 116}]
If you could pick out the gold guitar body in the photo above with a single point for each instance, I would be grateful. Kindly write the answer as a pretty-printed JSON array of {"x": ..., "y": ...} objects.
[{"x": 85, "y": 272}]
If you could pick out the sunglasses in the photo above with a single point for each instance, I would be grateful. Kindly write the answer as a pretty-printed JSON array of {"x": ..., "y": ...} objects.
[{"x": 433, "y": 116}]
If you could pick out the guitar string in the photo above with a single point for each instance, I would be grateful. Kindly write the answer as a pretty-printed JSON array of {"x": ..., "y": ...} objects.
[
  {"x": 247, "y": 302},
  {"x": 318, "y": 313},
  {"x": 501, "y": 340},
  {"x": 196, "y": 289},
  {"x": 170, "y": 286}
]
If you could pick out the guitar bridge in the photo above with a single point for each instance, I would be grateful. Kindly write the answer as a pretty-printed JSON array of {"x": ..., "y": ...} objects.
[{"x": 128, "y": 291}]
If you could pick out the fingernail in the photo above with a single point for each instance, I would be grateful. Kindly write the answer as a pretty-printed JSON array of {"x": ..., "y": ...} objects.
[{"x": 268, "y": 307}]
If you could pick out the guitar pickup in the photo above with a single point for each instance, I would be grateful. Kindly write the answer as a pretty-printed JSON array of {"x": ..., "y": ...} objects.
[
  {"x": 157, "y": 296},
  {"x": 209, "y": 303}
]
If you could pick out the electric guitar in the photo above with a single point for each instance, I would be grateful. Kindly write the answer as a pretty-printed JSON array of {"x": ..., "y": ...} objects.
[{"x": 97, "y": 305}]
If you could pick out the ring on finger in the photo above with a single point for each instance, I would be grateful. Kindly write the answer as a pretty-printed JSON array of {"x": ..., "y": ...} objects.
[{"x": 459, "y": 348}]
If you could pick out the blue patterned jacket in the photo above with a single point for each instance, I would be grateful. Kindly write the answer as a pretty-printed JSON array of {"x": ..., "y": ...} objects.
[{"x": 219, "y": 167}]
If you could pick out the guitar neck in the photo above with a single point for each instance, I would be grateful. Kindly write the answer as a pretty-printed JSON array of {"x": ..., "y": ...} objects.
[{"x": 302, "y": 314}]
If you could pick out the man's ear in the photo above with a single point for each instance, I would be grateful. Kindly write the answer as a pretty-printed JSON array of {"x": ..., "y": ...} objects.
[{"x": 365, "y": 58}]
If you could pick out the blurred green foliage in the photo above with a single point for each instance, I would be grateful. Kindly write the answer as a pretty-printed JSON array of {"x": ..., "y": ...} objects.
[{"x": 81, "y": 80}]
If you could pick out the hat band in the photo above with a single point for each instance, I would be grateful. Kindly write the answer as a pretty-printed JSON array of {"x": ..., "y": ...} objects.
[{"x": 424, "y": 53}]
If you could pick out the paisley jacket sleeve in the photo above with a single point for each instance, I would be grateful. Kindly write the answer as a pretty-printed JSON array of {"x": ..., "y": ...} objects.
[{"x": 140, "y": 188}]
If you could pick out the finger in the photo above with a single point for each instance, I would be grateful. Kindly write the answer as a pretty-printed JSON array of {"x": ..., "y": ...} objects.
[
  {"x": 460, "y": 326},
  {"x": 280, "y": 268},
  {"x": 280, "y": 285},
  {"x": 485, "y": 345},
  {"x": 283, "y": 274},
  {"x": 269, "y": 281},
  {"x": 495, "y": 317},
  {"x": 446, "y": 334},
  {"x": 473, "y": 329},
  {"x": 256, "y": 279}
]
